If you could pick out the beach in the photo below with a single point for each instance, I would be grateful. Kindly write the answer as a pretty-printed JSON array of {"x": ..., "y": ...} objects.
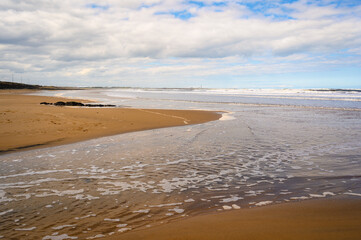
[
  {"x": 25, "y": 124},
  {"x": 279, "y": 165},
  {"x": 180, "y": 120},
  {"x": 314, "y": 220}
]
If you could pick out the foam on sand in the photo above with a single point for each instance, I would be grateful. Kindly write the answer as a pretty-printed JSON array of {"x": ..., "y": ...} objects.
[
  {"x": 227, "y": 116},
  {"x": 142, "y": 211},
  {"x": 64, "y": 226},
  {"x": 233, "y": 198},
  {"x": 226, "y": 207},
  {"x": 177, "y": 210},
  {"x": 324, "y": 194},
  {"x": 353, "y": 194},
  {"x": 122, "y": 225},
  {"x": 59, "y": 237},
  {"x": 25, "y": 229},
  {"x": 112, "y": 220},
  {"x": 263, "y": 203},
  {"x": 96, "y": 236},
  {"x": 235, "y": 206},
  {"x": 5, "y": 212}
]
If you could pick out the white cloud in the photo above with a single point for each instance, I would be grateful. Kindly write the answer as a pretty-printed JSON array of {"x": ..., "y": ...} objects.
[{"x": 126, "y": 37}]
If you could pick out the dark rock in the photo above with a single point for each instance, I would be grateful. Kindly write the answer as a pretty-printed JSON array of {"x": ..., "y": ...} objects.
[
  {"x": 99, "y": 105},
  {"x": 77, "y": 104},
  {"x": 72, "y": 103},
  {"x": 59, "y": 103}
]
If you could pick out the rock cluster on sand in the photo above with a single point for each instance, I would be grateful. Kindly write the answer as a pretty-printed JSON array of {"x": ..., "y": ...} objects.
[{"x": 77, "y": 104}]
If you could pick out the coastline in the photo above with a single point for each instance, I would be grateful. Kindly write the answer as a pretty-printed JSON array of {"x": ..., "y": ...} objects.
[
  {"x": 65, "y": 185},
  {"x": 25, "y": 124},
  {"x": 328, "y": 219}
]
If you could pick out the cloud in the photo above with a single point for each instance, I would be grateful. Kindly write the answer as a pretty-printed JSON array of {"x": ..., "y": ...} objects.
[{"x": 52, "y": 36}]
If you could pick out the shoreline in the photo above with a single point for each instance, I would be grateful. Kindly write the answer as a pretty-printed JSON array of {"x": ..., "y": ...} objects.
[
  {"x": 323, "y": 218},
  {"x": 25, "y": 124},
  {"x": 333, "y": 218}
]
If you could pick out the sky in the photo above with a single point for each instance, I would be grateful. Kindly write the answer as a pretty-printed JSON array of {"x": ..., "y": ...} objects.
[{"x": 178, "y": 43}]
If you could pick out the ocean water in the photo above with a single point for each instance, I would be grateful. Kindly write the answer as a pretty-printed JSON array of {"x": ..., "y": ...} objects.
[
  {"x": 188, "y": 98},
  {"x": 270, "y": 147}
]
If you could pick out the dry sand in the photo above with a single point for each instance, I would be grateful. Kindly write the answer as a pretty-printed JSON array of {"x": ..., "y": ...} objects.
[
  {"x": 25, "y": 124},
  {"x": 336, "y": 219}
]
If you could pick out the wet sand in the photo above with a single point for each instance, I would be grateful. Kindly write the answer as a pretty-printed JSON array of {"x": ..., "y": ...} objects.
[
  {"x": 313, "y": 219},
  {"x": 25, "y": 124}
]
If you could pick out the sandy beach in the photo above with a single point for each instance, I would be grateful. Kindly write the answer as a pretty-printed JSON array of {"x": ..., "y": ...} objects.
[
  {"x": 25, "y": 124},
  {"x": 316, "y": 219},
  {"x": 221, "y": 180}
]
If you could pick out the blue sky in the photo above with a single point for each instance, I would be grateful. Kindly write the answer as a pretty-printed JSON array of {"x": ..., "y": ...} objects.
[{"x": 178, "y": 43}]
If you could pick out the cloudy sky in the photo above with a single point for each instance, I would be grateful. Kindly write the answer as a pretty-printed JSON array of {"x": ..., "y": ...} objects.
[{"x": 177, "y": 43}]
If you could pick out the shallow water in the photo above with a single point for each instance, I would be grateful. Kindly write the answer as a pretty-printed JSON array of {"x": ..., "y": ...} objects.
[{"x": 263, "y": 154}]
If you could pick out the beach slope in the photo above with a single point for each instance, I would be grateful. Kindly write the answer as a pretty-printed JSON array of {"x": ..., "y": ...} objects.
[
  {"x": 333, "y": 219},
  {"x": 25, "y": 124}
]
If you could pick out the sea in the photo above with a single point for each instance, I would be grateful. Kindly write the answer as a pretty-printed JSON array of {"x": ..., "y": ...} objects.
[{"x": 269, "y": 147}]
